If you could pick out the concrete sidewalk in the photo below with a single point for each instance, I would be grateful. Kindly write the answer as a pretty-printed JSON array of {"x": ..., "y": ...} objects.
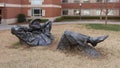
[
  {"x": 87, "y": 22},
  {"x": 6, "y": 27}
]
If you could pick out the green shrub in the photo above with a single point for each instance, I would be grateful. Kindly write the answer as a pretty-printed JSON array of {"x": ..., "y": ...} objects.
[
  {"x": 59, "y": 19},
  {"x": 71, "y": 17},
  {"x": 90, "y": 17},
  {"x": 44, "y": 20},
  {"x": 21, "y": 18}
]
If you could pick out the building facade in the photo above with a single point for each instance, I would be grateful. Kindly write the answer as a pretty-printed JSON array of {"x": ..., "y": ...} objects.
[
  {"x": 90, "y": 7},
  {"x": 49, "y": 9},
  {"x": 52, "y": 9}
]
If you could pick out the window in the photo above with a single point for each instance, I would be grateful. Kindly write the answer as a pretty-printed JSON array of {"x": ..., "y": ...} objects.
[
  {"x": 110, "y": 0},
  {"x": 98, "y": 12},
  {"x": 98, "y": 0},
  {"x": 111, "y": 12},
  {"x": 76, "y": 12},
  {"x": 86, "y": 1},
  {"x": 65, "y": 12},
  {"x": 76, "y": 1},
  {"x": 64, "y": 1},
  {"x": 86, "y": 12},
  {"x": 36, "y": 12},
  {"x": 36, "y": 2}
]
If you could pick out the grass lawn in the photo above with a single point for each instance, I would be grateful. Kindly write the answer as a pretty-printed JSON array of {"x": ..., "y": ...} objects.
[
  {"x": 14, "y": 55},
  {"x": 110, "y": 27}
]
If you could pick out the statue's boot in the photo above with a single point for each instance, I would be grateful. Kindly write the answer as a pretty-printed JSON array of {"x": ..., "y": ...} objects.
[{"x": 95, "y": 40}]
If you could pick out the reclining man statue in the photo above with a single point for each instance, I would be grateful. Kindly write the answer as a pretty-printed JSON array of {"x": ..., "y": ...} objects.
[
  {"x": 70, "y": 39},
  {"x": 35, "y": 35}
]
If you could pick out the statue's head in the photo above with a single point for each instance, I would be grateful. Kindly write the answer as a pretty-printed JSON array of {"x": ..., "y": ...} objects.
[{"x": 17, "y": 30}]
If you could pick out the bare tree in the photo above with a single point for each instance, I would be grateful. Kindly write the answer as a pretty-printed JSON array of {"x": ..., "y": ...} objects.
[
  {"x": 107, "y": 10},
  {"x": 101, "y": 9},
  {"x": 101, "y": 13}
]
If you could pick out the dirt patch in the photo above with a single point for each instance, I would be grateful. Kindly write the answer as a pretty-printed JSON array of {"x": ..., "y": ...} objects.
[{"x": 14, "y": 55}]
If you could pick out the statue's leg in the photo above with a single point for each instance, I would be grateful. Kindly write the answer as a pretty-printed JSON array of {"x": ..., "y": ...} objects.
[
  {"x": 73, "y": 40},
  {"x": 91, "y": 51},
  {"x": 95, "y": 40},
  {"x": 78, "y": 38},
  {"x": 69, "y": 40},
  {"x": 64, "y": 43}
]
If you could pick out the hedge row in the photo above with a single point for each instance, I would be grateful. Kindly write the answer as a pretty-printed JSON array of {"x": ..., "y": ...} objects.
[{"x": 85, "y": 17}]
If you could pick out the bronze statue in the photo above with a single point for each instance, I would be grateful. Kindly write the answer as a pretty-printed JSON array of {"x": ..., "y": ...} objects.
[
  {"x": 70, "y": 39},
  {"x": 36, "y": 34}
]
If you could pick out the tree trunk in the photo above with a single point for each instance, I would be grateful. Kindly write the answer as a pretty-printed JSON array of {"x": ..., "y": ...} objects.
[
  {"x": 106, "y": 12},
  {"x": 106, "y": 17},
  {"x": 101, "y": 14}
]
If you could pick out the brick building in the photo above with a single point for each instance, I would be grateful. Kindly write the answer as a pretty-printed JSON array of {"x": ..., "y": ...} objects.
[{"x": 52, "y": 9}]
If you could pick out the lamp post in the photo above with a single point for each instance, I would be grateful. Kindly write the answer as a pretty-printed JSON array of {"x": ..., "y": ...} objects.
[
  {"x": 80, "y": 10},
  {"x": 4, "y": 11}
]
